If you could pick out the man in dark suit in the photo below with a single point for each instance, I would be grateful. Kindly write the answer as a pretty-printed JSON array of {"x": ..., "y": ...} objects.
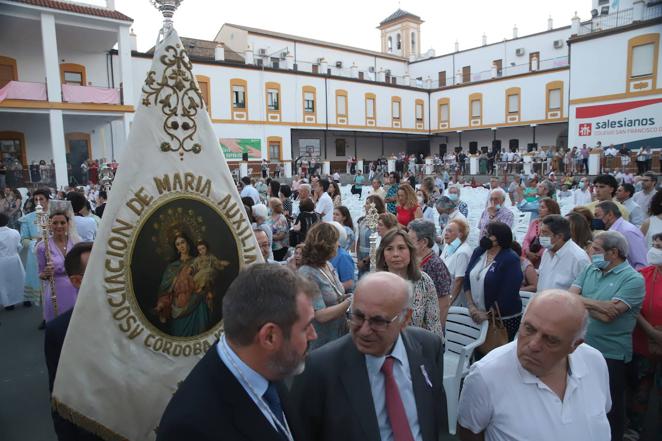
[
  {"x": 382, "y": 382},
  {"x": 75, "y": 263},
  {"x": 101, "y": 203},
  {"x": 236, "y": 392}
]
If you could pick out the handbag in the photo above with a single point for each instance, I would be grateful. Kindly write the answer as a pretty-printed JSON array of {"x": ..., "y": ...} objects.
[{"x": 497, "y": 335}]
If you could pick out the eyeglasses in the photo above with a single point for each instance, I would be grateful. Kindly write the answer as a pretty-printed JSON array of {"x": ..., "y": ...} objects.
[{"x": 377, "y": 324}]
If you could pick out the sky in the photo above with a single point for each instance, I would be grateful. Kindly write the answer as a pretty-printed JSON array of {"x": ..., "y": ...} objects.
[{"x": 354, "y": 22}]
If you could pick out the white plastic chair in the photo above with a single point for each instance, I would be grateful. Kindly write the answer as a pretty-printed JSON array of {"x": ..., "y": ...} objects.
[
  {"x": 526, "y": 297},
  {"x": 463, "y": 335}
]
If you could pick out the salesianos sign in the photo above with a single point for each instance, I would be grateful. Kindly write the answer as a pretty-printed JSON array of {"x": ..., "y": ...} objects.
[{"x": 635, "y": 123}]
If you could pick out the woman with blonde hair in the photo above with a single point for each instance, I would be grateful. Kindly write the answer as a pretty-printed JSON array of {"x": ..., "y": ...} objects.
[
  {"x": 279, "y": 230},
  {"x": 320, "y": 246},
  {"x": 407, "y": 208},
  {"x": 397, "y": 255}
]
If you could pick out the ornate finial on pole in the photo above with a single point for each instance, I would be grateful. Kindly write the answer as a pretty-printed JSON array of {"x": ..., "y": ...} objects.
[
  {"x": 371, "y": 220},
  {"x": 167, "y": 8}
]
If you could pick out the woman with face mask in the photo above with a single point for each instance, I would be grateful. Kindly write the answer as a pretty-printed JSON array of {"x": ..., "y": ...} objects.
[
  {"x": 493, "y": 279},
  {"x": 531, "y": 248},
  {"x": 647, "y": 340}
]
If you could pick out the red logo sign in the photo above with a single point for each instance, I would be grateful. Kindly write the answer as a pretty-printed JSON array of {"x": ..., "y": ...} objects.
[{"x": 585, "y": 129}]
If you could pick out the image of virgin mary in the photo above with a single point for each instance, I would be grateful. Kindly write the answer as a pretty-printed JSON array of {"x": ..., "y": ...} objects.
[{"x": 181, "y": 305}]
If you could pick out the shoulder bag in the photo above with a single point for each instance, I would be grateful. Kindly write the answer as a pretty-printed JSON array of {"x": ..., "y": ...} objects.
[{"x": 497, "y": 335}]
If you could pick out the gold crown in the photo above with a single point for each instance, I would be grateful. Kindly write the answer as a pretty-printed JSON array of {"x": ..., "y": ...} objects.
[{"x": 174, "y": 222}]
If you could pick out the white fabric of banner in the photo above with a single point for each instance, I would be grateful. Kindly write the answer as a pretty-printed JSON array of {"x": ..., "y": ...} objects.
[{"x": 173, "y": 236}]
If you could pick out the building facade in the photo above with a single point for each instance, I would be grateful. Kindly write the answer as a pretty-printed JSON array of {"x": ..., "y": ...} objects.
[{"x": 70, "y": 95}]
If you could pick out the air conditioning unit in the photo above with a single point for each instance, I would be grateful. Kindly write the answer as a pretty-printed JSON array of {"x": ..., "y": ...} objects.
[
  {"x": 339, "y": 64},
  {"x": 262, "y": 52},
  {"x": 388, "y": 72},
  {"x": 320, "y": 60},
  {"x": 520, "y": 52},
  {"x": 604, "y": 10},
  {"x": 558, "y": 44},
  {"x": 283, "y": 55},
  {"x": 594, "y": 13},
  {"x": 371, "y": 69}
]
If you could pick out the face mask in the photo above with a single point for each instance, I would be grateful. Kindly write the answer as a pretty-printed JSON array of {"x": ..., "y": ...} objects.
[
  {"x": 453, "y": 197},
  {"x": 598, "y": 225},
  {"x": 654, "y": 256},
  {"x": 581, "y": 185},
  {"x": 638, "y": 186},
  {"x": 599, "y": 261},
  {"x": 545, "y": 242},
  {"x": 485, "y": 243},
  {"x": 420, "y": 200},
  {"x": 453, "y": 246}
]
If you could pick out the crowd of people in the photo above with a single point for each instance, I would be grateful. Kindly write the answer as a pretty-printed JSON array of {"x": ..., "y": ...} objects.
[{"x": 591, "y": 337}]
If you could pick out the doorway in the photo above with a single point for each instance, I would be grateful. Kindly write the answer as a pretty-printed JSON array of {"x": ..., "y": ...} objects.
[{"x": 79, "y": 149}]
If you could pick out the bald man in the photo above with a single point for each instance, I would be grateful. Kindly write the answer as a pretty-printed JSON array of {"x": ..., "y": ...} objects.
[
  {"x": 546, "y": 385},
  {"x": 381, "y": 382}
]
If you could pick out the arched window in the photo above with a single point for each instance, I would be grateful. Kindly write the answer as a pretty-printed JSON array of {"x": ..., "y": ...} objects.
[
  {"x": 390, "y": 44},
  {"x": 398, "y": 44},
  {"x": 413, "y": 42}
]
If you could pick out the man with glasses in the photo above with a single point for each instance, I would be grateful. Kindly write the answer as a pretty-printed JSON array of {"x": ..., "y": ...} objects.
[
  {"x": 383, "y": 381},
  {"x": 643, "y": 197}
]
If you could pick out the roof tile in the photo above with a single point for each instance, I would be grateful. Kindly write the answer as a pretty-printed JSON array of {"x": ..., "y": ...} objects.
[{"x": 76, "y": 8}]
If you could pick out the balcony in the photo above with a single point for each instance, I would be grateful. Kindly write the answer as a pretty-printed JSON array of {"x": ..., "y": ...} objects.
[
  {"x": 23, "y": 90},
  {"x": 620, "y": 18},
  {"x": 71, "y": 93}
]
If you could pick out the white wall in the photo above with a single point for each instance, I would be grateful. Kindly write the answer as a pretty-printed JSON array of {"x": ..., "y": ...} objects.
[
  {"x": 599, "y": 65},
  {"x": 532, "y": 105},
  {"x": 480, "y": 58}
]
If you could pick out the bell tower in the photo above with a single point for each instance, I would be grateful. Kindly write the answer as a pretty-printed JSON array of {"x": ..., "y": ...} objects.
[{"x": 401, "y": 34}]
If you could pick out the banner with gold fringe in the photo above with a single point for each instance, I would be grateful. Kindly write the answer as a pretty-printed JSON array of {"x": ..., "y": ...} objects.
[{"x": 173, "y": 237}]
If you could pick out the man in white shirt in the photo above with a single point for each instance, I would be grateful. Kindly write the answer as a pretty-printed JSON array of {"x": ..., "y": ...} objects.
[
  {"x": 582, "y": 195},
  {"x": 249, "y": 191},
  {"x": 85, "y": 226},
  {"x": 563, "y": 260},
  {"x": 377, "y": 189},
  {"x": 324, "y": 205},
  {"x": 643, "y": 197},
  {"x": 545, "y": 386},
  {"x": 624, "y": 195}
]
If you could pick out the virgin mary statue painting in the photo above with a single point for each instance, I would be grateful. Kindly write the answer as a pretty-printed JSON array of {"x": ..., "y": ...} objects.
[{"x": 180, "y": 305}]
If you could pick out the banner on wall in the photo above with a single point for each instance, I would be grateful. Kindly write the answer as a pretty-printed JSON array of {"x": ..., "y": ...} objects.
[
  {"x": 234, "y": 148},
  {"x": 634, "y": 123},
  {"x": 310, "y": 147}
]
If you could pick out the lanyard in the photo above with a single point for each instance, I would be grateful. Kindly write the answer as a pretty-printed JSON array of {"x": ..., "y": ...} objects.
[{"x": 258, "y": 399}]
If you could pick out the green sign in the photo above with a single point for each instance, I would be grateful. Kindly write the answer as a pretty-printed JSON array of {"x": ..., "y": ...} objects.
[{"x": 234, "y": 148}]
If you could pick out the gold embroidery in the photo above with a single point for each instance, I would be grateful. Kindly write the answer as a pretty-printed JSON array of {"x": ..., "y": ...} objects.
[{"x": 180, "y": 99}]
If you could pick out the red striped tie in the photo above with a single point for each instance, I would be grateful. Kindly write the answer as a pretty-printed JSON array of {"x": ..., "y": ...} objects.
[{"x": 394, "y": 407}]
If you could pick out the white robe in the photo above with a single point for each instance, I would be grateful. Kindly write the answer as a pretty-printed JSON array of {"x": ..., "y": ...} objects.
[{"x": 12, "y": 274}]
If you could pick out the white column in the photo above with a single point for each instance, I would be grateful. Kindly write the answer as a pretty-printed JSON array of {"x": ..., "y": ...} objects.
[
  {"x": 288, "y": 168},
  {"x": 58, "y": 148},
  {"x": 51, "y": 60},
  {"x": 124, "y": 50},
  {"x": 473, "y": 165},
  {"x": 243, "y": 169},
  {"x": 326, "y": 168},
  {"x": 127, "y": 119},
  {"x": 594, "y": 164},
  {"x": 429, "y": 166}
]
